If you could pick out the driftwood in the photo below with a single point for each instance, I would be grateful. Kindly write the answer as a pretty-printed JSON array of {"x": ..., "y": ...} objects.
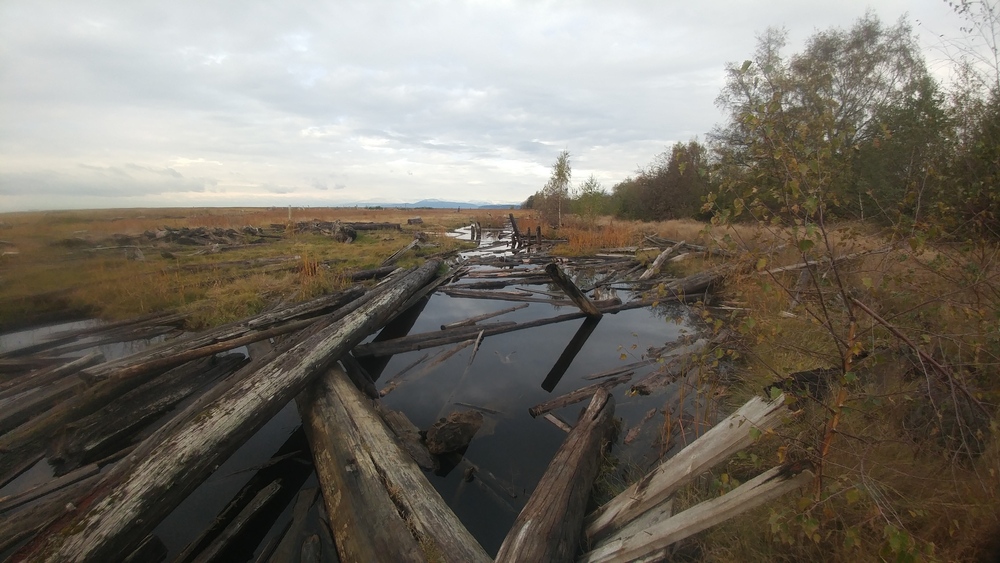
[
  {"x": 724, "y": 439},
  {"x": 213, "y": 551},
  {"x": 654, "y": 268},
  {"x": 285, "y": 549},
  {"x": 408, "y": 436},
  {"x": 46, "y": 376},
  {"x": 98, "y": 434},
  {"x": 652, "y": 533},
  {"x": 516, "y": 233},
  {"x": 13, "y": 501},
  {"x": 134, "y": 497},
  {"x": 364, "y": 474},
  {"x": 26, "y": 522},
  {"x": 118, "y": 377},
  {"x": 580, "y": 394},
  {"x": 396, "y": 255},
  {"x": 549, "y": 526},
  {"x": 473, "y": 320},
  {"x": 574, "y": 293},
  {"x": 435, "y": 362}
]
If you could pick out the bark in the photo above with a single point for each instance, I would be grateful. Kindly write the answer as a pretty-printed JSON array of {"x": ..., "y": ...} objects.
[
  {"x": 169, "y": 465},
  {"x": 550, "y": 524},
  {"x": 381, "y": 507}
]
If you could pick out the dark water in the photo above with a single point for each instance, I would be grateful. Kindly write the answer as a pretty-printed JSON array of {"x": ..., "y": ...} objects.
[{"x": 506, "y": 376}]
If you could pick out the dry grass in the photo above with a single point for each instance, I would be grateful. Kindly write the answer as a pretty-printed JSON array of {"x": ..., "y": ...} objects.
[
  {"x": 913, "y": 471},
  {"x": 50, "y": 268}
]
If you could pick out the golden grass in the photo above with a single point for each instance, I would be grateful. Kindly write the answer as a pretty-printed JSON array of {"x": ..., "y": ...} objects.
[{"x": 43, "y": 269}]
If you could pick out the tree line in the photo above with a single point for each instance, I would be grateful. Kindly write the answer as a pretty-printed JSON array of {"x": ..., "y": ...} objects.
[{"x": 852, "y": 127}]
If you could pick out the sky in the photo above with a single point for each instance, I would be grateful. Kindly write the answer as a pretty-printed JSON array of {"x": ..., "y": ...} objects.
[{"x": 254, "y": 103}]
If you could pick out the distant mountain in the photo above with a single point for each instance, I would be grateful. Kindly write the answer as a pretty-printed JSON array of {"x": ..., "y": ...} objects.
[{"x": 442, "y": 204}]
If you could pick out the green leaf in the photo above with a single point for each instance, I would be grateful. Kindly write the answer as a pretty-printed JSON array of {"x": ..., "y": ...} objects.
[
  {"x": 755, "y": 434},
  {"x": 805, "y": 244},
  {"x": 774, "y": 392},
  {"x": 761, "y": 264}
]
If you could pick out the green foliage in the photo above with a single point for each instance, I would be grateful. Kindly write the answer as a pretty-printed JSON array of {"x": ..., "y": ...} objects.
[
  {"x": 670, "y": 188},
  {"x": 554, "y": 197}
]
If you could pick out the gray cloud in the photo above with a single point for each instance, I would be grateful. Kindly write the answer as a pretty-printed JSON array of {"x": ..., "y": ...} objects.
[{"x": 240, "y": 102}]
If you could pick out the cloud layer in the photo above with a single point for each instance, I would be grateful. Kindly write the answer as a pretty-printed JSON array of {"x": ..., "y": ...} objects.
[{"x": 255, "y": 103}]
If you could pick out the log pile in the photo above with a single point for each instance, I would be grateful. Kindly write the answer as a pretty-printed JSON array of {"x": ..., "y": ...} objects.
[{"x": 130, "y": 439}]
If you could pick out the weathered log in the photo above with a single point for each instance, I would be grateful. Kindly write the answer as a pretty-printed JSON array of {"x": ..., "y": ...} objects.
[
  {"x": 578, "y": 395},
  {"x": 440, "y": 358},
  {"x": 549, "y": 526},
  {"x": 236, "y": 526},
  {"x": 136, "y": 496},
  {"x": 98, "y": 434},
  {"x": 651, "y": 533},
  {"x": 27, "y": 521},
  {"x": 151, "y": 550},
  {"x": 569, "y": 353},
  {"x": 574, "y": 293},
  {"x": 63, "y": 337},
  {"x": 375, "y": 273},
  {"x": 396, "y": 255},
  {"x": 516, "y": 236},
  {"x": 736, "y": 432},
  {"x": 285, "y": 550},
  {"x": 473, "y": 320},
  {"x": 370, "y": 226},
  {"x": 558, "y": 422},
  {"x": 49, "y": 375},
  {"x": 20, "y": 499},
  {"x": 365, "y": 475},
  {"x": 654, "y": 268},
  {"x": 674, "y": 366},
  {"x": 398, "y": 327},
  {"x": 117, "y": 377},
  {"x": 408, "y": 436},
  {"x": 406, "y": 343}
]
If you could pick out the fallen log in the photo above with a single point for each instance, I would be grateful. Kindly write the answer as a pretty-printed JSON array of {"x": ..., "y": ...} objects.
[
  {"x": 285, "y": 549},
  {"x": 381, "y": 506},
  {"x": 212, "y": 552},
  {"x": 654, "y": 268},
  {"x": 118, "y": 377},
  {"x": 11, "y": 502},
  {"x": 134, "y": 497},
  {"x": 726, "y": 438},
  {"x": 549, "y": 526},
  {"x": 473, "y": 320},
  {"x": 99, "y": 434},
  {"x": 435, "y": 362},
  {"x": 652, "y": 533},
  {"x": 50, "y": 375},
  {"x": 578, "y": 395},
  {"x": 574, "y": 293},
  {"x": 396, "y": 255}
]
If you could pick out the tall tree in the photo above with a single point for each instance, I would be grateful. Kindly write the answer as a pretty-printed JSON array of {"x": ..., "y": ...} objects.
[{"x": 556, "y": 190}]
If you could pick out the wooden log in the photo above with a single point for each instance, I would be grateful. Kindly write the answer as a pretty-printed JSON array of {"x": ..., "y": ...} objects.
[
  {"x": 27, "y": 521},
  {"x": 370, "y": 226},
  {"x": 406, "y": 343},
  {"x": 654, "y": 268},
  {"x": 558, "y": 422},
  {"x": 132, "y": 499},
  {"x": 365, "y": 475},
  {"x": 578, "y": 395},
  {"x": 46, "y": 376},
  {"x": 396, "y": 255},
  {"x": 438, "y": 359},
  {"x": 574, "y": 293},
  {"x": 736, "y": 432},
  {"x": 549, "y": 526},
  {"x": 258, "y": 503},
  {"x": 473, "y": 320},
  {"x": 285, "y": 550},
  {"x": 11, "y": 502},
  {"x": 99, "y": 434},
  {"x": 117, "y": 377},
  {"x": 373, "y": 274},
  {"x": 652, "y": 533},
  {"x": 569, "y": 353},
  {"x": 516, "y": 236}
]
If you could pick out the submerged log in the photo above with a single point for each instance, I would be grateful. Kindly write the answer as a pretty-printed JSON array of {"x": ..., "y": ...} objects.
[
  {"x": 580, "y": 394},
  {"x": 574, "y": 293},
  {"x": 723, "y": 440},
  {"x": 381, "y": 507},
  {"x": 549, "y": 526},
  {"x": 652, "y": 533},
  {"x": 132, "y": 499}
]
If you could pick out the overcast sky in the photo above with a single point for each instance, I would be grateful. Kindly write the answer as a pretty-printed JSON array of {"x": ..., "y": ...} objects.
[{"x": 139, "y": 103}]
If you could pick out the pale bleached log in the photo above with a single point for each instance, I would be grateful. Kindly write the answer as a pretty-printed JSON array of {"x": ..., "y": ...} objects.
[
  {"x": 650, "y": 536},
  {"x": 572, "y": 291},
  {"x": 134, "y": 497},
  {"x": 473, "y": 320},
  {"x": 722, "y": 441},
  {"x": 654, "y": 268},
  {"x": 549, "y": 526},
  {"x": 368, "y": 481}
]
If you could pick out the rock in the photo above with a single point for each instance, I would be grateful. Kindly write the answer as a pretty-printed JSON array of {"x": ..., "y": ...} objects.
[{"x": 453, "y": 433}]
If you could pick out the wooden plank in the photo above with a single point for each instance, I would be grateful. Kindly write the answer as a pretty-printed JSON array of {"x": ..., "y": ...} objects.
[
  {"x": 649, "y": 536},
  {"x": 550, "y": 524},
  {"x": 736, "y": 432},
  {"x": 134, "y": 497},
  {"x": 380, "y": 503}
]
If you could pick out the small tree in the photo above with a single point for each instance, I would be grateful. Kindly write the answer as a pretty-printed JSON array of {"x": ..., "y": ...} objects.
[{"x": 557, "y": 189}]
